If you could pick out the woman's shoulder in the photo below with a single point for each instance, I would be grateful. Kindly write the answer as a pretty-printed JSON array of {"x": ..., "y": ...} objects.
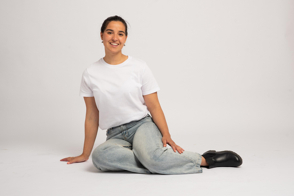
[
  {"x": 138, "y": 62},
  {"x": 91, "y": 66}
]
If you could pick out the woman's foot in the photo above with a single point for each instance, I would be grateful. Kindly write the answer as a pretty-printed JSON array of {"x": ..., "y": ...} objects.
[{"x": 221, "y": 159}]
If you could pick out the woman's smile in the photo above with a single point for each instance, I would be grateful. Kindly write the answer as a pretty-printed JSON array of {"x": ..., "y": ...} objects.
[{"x": 114, "y": 45}]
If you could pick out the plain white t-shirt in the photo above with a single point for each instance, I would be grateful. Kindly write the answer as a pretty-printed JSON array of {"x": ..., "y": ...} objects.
[{"x": 118, "y": 90}]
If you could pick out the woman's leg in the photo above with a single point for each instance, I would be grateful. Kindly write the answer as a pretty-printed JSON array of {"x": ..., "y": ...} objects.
[
  {"x": 148, "y": 148},
  {"x": 116, "y": 155},
  {"x": 203, "y": 161}
]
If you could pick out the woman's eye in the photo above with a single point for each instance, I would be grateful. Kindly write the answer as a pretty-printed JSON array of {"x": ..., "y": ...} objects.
[
  {"x": 109, "y": 33},
  {"x": 121, "y": 34}
]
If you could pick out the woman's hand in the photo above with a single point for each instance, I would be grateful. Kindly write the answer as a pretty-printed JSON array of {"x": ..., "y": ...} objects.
[
  {"x": 77, "y": 159},
  {"x": 169, "y": 141}
]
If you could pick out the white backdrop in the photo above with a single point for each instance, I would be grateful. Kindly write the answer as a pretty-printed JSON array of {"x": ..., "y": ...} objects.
[
  {"x": 224, "y": 67},
  {"x": 220, "y": 64}
]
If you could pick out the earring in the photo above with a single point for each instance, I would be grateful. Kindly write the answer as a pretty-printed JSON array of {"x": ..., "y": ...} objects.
[
  {"x": 124, "y": 45},
  {"x": 102, "y": 41}
]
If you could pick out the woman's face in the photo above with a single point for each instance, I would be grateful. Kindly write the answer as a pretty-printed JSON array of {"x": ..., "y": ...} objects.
[{"x": 114, "y": 36}]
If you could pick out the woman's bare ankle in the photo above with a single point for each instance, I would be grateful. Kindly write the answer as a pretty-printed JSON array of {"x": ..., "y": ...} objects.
[{"x": 203, "y": 162}]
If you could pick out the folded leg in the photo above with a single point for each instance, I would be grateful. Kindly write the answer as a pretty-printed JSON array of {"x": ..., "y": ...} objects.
[
  {"x": 148, "y": 148},
  {"x": 116, "y": 155}
]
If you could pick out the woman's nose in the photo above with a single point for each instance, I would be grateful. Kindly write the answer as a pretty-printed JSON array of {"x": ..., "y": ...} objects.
[{"x": 114, "y": 37}]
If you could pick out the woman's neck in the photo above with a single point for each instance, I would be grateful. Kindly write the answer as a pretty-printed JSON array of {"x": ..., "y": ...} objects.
[{"x": 115, "y": 59}]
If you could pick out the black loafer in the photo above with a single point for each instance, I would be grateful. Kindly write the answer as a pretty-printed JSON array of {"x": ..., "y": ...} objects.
[{"x": 222, "y": 159}]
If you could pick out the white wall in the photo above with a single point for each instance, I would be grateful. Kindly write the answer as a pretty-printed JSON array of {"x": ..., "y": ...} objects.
[{"x": 221, "y": 65}]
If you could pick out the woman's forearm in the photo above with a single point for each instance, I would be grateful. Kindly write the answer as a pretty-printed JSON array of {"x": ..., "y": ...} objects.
[
  {"x": 159, "y": 119},
  {"x": 91, "y": 129}
]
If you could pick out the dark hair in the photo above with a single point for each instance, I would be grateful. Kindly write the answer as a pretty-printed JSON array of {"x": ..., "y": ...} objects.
[{"x": 113, "y": 18}]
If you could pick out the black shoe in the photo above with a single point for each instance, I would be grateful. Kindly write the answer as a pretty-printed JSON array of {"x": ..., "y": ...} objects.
[{"x": 222, "y": 159}]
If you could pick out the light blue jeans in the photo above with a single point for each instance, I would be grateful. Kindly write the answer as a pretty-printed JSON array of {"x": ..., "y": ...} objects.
[{"x": 137, "y": 147}]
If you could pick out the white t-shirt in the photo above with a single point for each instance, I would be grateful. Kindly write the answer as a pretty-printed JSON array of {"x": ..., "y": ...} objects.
[{"x": 118, "y": 90}]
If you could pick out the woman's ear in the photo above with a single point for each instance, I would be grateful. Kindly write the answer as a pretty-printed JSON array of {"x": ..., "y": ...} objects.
[{"x": 101, "y": 35}]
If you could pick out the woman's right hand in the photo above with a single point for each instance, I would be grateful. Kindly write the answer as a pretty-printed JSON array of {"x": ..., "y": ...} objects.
[{"x": 77, "y": 159}]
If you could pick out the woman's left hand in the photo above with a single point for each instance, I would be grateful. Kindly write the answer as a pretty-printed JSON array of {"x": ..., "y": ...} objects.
[{"x": 169, "y": 141}]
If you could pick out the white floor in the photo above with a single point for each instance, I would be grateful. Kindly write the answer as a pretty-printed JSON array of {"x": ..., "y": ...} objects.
[{"x": 33, "y": 168}]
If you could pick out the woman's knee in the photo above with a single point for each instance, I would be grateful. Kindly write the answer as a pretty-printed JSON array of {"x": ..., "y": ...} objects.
[{"x": 99, "y": 157}]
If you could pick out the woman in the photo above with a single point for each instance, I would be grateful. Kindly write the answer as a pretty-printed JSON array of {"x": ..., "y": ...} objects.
[{"x": 119, "y": 91}]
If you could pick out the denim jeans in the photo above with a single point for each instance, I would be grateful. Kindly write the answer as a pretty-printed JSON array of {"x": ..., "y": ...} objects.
[{"x": 137, "y": 147}]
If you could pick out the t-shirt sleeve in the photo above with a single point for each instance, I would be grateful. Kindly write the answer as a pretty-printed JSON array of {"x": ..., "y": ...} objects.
[
  {"x": 149, "y": 83},
  {"x": 85, "y": 88}
]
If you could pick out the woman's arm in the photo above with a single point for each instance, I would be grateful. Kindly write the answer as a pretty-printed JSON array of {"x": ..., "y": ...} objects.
[
  {"x": 91, "y": 125},
  {"x": 158, "y": 117},
  {"x": 91, "y": 129}
]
